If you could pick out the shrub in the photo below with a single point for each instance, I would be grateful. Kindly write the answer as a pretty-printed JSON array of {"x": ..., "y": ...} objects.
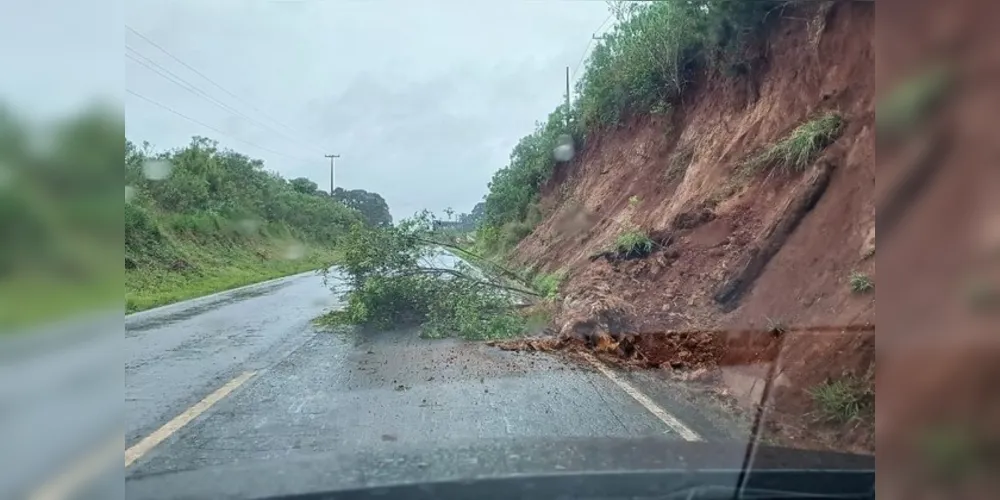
[
  {"x": 644, "y": 62},
  {"x": 514, "y": 232},
  {"x": 393, "y": 282},
  {"x": 634, "y": 243},
  {"x": 548, "y": 284},
  {"x": 776, "y": 326},
  {"x": 861, "y": 283},
  {"x": 207, "y": 190},
  {"x": 844, "y": 400},
  {"x": 797, "y": 151},
  {"x": 642, "y": 65}
]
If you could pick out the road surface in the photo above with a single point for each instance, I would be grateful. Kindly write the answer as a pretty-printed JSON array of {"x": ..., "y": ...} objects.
[{"x": 244, "y": 378}]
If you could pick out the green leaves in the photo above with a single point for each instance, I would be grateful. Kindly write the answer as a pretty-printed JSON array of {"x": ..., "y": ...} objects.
[
  {"x": 643, "y": 62},
  {"x": 515, "y": 187},
  {"x": 802, "y": 146},
  {"x": 634, "y": 243},
  {"x": 206, "y": 181},
  {"x": 396, "y": 279},
  {"x": 371, "y": 206},
  {"x": 642, "y": 65}
]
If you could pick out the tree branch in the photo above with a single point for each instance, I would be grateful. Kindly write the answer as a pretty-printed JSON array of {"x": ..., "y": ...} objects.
[
  {"x": 495, "y": 267},
  {"x": 466, "y": 277}
]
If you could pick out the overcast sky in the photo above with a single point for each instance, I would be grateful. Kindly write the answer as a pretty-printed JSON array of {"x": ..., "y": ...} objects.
[{"x": 423, "y": 100}]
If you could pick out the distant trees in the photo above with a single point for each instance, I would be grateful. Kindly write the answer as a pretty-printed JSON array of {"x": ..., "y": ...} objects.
[
  {"x": 304, "y": 185},
  {"x": 208, "y": 191},
  {"x": 373, "y": 208}
]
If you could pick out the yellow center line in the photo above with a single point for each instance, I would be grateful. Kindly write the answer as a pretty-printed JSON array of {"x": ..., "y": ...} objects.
[
  {"x": 80, "y": 473},
  {"x": 151, "y": 441}
]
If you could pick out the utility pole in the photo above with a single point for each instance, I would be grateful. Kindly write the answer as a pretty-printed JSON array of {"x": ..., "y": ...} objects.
[
  {"x": 333, "y": 160},
  {"x": 567, "y": 97}
]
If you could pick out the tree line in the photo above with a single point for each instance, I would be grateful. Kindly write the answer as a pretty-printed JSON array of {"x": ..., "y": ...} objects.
[{"x": 205, "y": 191}]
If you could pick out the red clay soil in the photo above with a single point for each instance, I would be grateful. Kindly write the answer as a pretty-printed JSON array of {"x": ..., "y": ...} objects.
[
  {"x": 709, "y": 219},
  {"x": 939, "y": 416}
]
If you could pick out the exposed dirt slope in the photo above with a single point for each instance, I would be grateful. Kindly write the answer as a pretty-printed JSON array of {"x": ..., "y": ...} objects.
[{"x": 736, "y": 253}]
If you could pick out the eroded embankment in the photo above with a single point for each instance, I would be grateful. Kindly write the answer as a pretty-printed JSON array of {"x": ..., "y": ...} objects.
[{"x": 753, "y": 261}]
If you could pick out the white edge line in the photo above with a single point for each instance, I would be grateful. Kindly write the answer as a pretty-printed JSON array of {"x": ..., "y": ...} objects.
[{"x": 663, "y": 415}]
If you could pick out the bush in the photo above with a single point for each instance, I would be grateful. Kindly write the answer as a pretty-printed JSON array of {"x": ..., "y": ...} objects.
[
  {"x": 797, "y": 151},
  {"x": 844, "y": 400},
  {"x": 642, "y": 65},
  {"x": 644, "y": 62},
  {"x": 392, "y": 283},
  {"x": 861, "y": 283},
  {"x": 548, "y": 284},
  {"x": 209, "y": 192},
  {"x": 634, "y": 243}
]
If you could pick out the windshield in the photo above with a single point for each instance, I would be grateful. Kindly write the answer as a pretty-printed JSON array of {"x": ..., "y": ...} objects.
[{"x": 372, "y": 244}]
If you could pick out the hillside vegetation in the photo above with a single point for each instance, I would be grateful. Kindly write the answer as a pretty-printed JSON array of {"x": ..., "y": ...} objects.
[
  {"x": 60, "y": 221},
  {"x": 642, "y": 65},
  {"x": 199, "y": 219}
]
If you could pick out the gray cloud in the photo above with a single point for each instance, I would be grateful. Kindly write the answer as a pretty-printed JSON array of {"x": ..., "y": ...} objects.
[{"x": 423, "y": 99}]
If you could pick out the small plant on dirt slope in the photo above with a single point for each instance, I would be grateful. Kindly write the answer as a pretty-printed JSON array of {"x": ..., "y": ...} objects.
[
  {"x": 844, "y": 400},
  {"x": 396, "y": 277},
  {"x": 776, "y": 326},
  {"x": 634, "y": 243},
  {"x": 548, "y": 284},
  {"x": 797, "y": 151},
  {"x": 861, "y": 283}
]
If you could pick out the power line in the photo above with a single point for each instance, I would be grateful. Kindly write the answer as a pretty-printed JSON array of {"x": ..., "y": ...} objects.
[
  {"x": 589, "y": 42},
  {"x": 203, "y": 124},
  {"x": 209, "y": 80},
  {"x": 179, "y": 81},
  {"x": 155, "y": 67}
]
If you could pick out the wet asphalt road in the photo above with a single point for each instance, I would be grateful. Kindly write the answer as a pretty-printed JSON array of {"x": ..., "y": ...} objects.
[{"x": 365, "y": 399}]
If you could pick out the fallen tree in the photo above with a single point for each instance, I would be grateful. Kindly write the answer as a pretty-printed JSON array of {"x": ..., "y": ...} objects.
[{"x": 399, "y": 276}]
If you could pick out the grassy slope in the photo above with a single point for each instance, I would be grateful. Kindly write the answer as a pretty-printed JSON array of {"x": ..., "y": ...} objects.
[{"x": 215, "y": 264}]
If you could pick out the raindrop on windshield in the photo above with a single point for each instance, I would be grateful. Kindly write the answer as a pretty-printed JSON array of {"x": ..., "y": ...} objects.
[
  {"x": 247, "y": 227},
  {"x": 564, "y": 150},
  {"x": 157, "y": 170},
  {"x": 295, "y": 251}
]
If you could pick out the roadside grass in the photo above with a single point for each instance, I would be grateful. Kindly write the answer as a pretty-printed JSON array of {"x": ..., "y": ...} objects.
[
  {"x": 861, "y": 283},
  {"x": 31, "y": 299},
  {"x": 634, "y": 243},
  {"x": 217, "y": 267},
  {"x": 799, "y": 149},
  {"x": 76, "y": 277},
  {"x": 844, "y": 400}
]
